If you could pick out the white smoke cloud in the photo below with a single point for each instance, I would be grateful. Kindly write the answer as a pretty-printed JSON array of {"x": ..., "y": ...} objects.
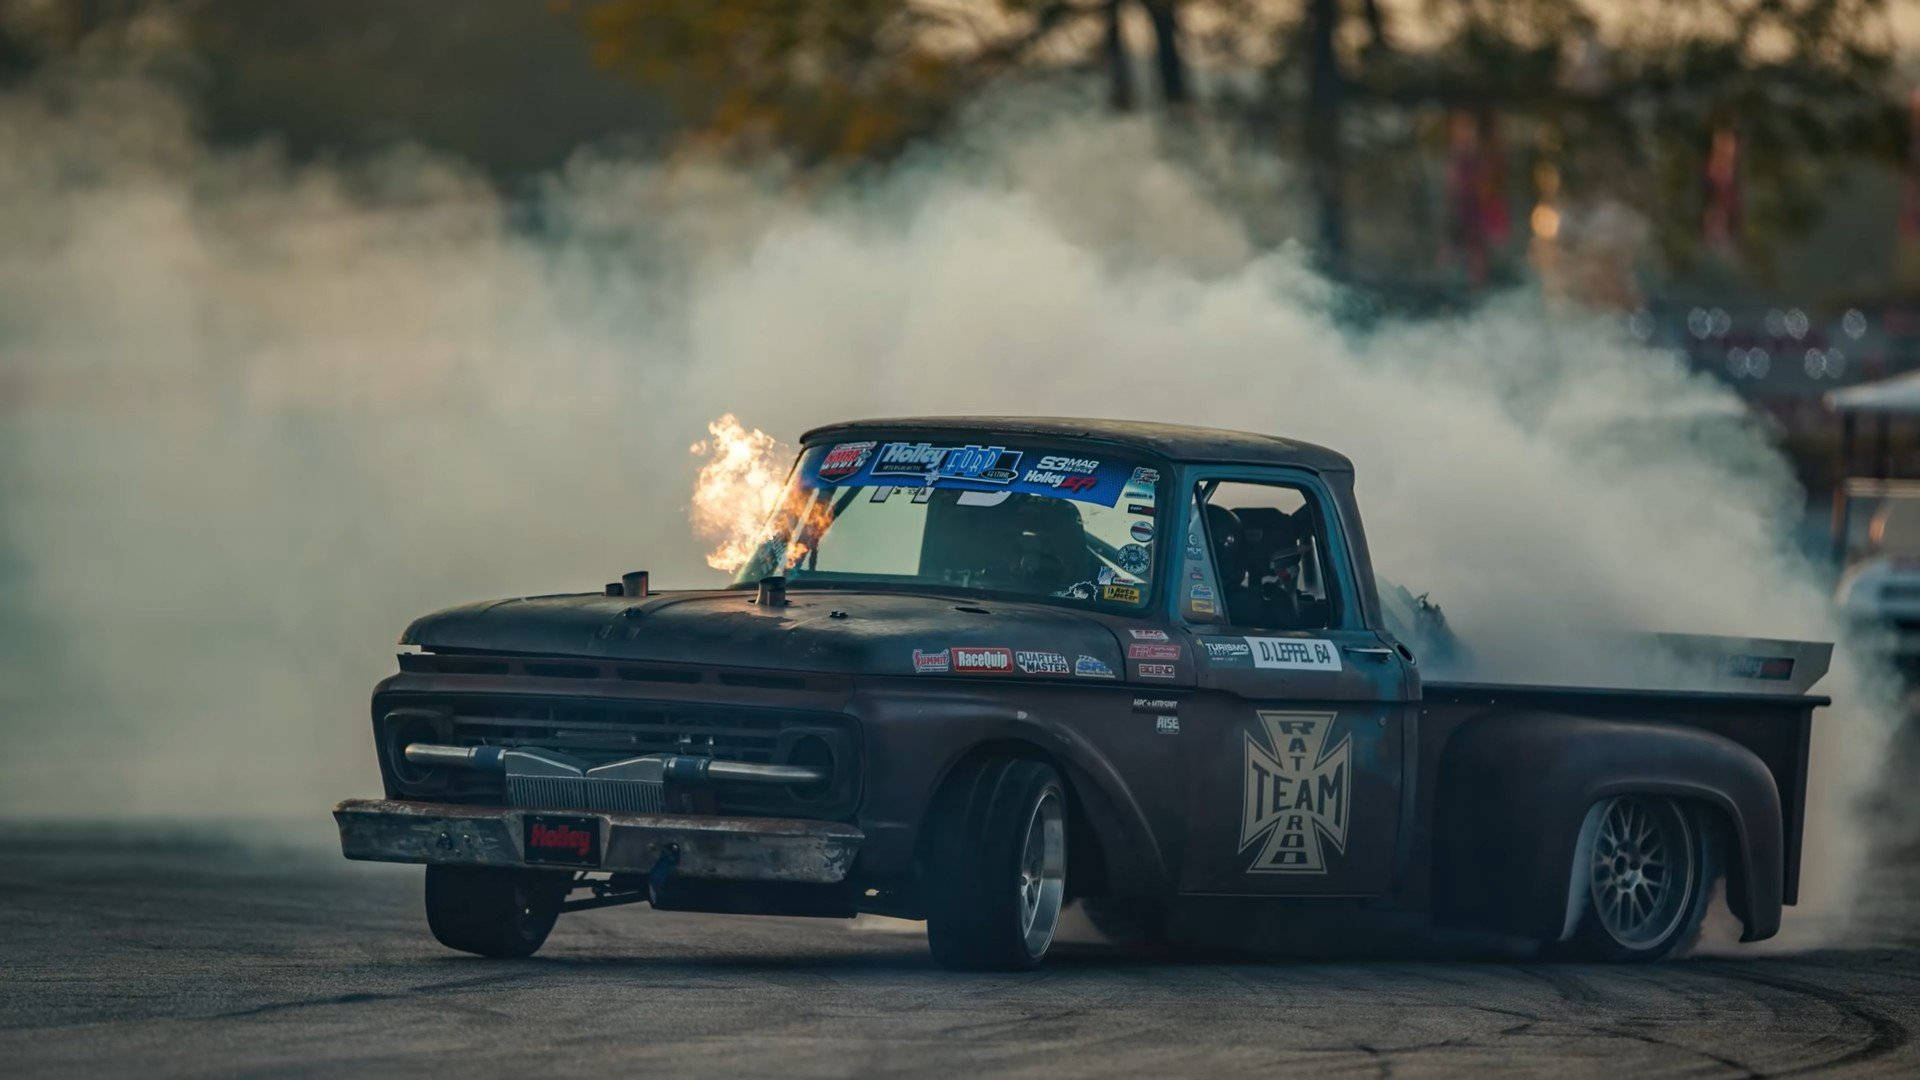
[{"x": 253, "y": 418}]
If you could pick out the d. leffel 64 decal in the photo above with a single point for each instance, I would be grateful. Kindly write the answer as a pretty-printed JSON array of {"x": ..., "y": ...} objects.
[{"x": 1295, "y": 799}]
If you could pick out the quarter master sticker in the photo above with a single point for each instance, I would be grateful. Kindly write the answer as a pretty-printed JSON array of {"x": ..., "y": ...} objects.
[{"x": 1294, "y": 804}]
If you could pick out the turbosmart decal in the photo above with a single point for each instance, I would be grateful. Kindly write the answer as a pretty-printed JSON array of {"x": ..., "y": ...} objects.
[
  {"x": 1227, "y": 652},
  {"x": 1294, "y": 802},
  {"x": 1088, "y": 667}
]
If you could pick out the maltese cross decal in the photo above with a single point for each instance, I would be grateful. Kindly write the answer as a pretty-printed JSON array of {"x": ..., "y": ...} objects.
[{"x": 1295, "y": 798}]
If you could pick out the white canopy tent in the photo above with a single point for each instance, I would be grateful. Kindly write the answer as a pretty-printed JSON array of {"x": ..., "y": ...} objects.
[{"x": 1898, "y": 396}]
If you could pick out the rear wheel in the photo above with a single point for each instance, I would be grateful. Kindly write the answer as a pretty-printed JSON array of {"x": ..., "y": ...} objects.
[
  {"x": 996, "y": 866},
  {"x": 1644, "y": 870},
  {"x": 493, "y": 911}
]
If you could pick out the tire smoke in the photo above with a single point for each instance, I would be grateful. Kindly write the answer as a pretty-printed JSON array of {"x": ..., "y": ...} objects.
[{"x": 254, "y": 417}]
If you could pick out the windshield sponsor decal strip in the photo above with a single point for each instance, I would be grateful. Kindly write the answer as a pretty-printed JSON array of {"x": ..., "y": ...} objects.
[
  {"x": 1293, "y": 800},
  {"x": 973, "y": 467}
]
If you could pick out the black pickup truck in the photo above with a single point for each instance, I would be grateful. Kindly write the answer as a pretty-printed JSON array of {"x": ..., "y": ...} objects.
[{"x": 980, "y": 667}]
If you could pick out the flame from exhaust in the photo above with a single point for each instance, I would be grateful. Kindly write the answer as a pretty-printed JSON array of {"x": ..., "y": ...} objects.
[{"x": 738, "y": 487}]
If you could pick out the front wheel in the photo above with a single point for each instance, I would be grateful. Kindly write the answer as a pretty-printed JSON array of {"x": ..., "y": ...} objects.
[
  {"x": 996, "y": 868},
  {"x": 493, "y": 911},
  {"x": 1643, "y": 870}
]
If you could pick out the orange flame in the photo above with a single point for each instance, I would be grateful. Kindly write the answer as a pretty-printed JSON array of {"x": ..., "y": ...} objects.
[{"x": 738, "y": 487}]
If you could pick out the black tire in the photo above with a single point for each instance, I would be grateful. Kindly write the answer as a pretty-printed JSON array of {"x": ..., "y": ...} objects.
[
  {"x": 1644, "y": 871},
  {"x": 992, "y": 901},
  {"x": 494, "y": 911}
]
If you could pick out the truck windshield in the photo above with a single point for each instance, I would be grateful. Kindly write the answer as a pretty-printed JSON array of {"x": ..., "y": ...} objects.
[{"x": 1071, "y": 525}]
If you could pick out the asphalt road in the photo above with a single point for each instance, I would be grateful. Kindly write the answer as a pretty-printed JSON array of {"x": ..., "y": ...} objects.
[{"x": 156, "y": 953}]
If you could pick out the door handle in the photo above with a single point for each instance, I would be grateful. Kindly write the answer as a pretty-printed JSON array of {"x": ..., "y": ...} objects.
[{"x": 1367, "y": 650}]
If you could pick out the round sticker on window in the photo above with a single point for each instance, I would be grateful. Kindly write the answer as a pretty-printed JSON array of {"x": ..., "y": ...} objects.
[
  {"x": 1133, "y": 559},
  {"x": 1141, "y": 531}
]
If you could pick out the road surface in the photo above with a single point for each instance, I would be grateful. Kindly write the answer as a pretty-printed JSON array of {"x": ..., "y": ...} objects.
[{"x": 164, "y": 953}]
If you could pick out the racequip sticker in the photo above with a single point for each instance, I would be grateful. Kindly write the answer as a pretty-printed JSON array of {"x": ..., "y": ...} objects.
[
  {"x": 1146, "y": 650},
  {"x": 1154, "y": 671},
  {"x": 1295, "y": 654},
  {"x": 1088, "y": 667},
  {"x": 1147, "y": 633},
  {"x": 1294, "y": 800},
  {"x": 844, "y": 460},
  {"x": 1041, "y": 663},
  {"x": 1125, "y": 594},
  {"x": 976, "y": 659},
  {"x": 926, "y": 662}
]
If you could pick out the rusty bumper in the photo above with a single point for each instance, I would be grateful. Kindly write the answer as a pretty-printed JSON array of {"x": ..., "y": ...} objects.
[{"x": 725, "y": 848}]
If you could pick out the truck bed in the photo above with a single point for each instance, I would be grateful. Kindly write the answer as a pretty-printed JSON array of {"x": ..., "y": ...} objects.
[{"x": 1777, "y": 727}]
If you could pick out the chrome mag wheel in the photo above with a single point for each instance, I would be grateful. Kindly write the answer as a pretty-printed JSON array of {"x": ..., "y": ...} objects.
[
  {"x": 1641, "y": 875},
  {"x": 1043, "y": 871}
]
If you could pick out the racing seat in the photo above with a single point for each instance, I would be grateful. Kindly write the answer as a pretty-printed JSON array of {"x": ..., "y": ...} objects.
[{"x": 1023, "y": 543}]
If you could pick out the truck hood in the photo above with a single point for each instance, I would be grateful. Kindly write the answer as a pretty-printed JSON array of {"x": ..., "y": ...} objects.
[{"x": 835, "y": 631}]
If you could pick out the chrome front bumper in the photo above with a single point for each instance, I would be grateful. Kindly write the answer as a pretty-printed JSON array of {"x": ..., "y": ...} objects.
[{"x": 724, "y": 848}]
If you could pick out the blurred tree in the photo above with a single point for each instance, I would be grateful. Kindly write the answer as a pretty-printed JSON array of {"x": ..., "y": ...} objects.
[
  {"x": 1723, "y": 121},
  {"x": 825, "y": 80}
]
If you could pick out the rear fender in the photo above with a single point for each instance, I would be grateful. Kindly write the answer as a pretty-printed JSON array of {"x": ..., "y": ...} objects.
[{"x": 1513, "y": 791}]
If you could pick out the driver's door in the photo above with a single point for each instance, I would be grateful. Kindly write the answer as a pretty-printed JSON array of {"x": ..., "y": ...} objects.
[{"x": 1297, "y": 755}]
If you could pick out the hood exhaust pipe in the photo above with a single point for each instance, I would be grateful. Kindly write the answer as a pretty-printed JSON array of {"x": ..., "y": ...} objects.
[{"x": 772, "y": 592}]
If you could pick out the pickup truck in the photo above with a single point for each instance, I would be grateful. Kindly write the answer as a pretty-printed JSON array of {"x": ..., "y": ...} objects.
[{"x": 979, "y": 668}]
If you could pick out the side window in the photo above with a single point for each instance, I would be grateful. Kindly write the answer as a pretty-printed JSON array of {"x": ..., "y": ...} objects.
[{"x": 1268, "y": 547}]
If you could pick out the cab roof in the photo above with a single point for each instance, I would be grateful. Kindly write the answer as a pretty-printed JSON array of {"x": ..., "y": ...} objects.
[{"x": 1181, "y": 442}]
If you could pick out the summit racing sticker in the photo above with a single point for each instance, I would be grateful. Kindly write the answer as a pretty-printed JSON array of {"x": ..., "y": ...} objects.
[
  {"x": 844, "y": 460},
  {"x": 1294, "y": 799},
  {"x": 931, "y": 663}
]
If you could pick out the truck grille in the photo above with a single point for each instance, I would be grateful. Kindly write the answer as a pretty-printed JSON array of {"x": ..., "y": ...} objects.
[
  {"x": 595, "y": 731},
  {"x": 586, "y": 793}
]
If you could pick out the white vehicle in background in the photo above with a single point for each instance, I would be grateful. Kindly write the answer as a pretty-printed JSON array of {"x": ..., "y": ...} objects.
[{"x": 1881, "y": 585}]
